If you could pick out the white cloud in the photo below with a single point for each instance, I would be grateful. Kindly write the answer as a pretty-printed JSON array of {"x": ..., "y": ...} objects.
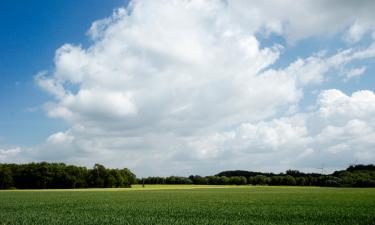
[
  {"x": 70, "y": 63},
  {"x": 9, "y": 153},
  {"x": 303, "y": 19},
  {"x": 314, "y": 69},
  {"x": 336, "y": 106},
  {"x": 356, "y": 72},
  {"x": 50, "y": 85},
  {"x": 339, "y": 131},
  {"x": 356, "y": 32},
  {"x": 187, "y": 87},
  {"x": 147, "y": 74},
  {"x": 60, "y": 138}
]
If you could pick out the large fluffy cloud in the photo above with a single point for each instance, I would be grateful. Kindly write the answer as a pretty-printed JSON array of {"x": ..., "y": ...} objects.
[
  {"x": 169, "y": 68},
  {"x": 338, "y": 132},
  {"x": 187, "y": 87}
]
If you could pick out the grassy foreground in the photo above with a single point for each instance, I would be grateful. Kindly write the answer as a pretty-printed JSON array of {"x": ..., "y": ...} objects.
[{"x": 189, "y": 204}]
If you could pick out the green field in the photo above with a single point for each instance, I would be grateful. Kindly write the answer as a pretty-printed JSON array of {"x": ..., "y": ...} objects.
[{"x": 189, "y": 205}]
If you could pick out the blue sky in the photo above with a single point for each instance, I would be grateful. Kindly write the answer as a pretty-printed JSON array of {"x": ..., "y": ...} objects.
[
  {"x": 31, "y": 31},
  {"x": 178, "y": 87}
]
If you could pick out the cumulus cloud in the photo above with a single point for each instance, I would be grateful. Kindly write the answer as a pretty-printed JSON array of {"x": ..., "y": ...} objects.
[
  {"x": 187, "y": 87},
  {"x": 143, "y": 73},
  {"x": 336, "y": 106},
  {"x": 340, "y": 131},
  {"x": 303, "y": 19}
]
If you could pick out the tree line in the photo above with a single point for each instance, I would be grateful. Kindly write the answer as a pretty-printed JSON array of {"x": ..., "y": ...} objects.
[
  {"x": 353, "y": 176},
  {"x": 58, "y": 175}
]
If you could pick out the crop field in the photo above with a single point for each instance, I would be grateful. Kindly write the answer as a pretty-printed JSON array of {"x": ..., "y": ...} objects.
[{"x": 188, "y": 204}]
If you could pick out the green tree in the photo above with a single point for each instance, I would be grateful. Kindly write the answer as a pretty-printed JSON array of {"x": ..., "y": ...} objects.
[{"x": 6, "y": 178}]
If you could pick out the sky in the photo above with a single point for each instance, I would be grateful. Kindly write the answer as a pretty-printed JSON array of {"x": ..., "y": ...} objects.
[{"x": 188, "y": 87}]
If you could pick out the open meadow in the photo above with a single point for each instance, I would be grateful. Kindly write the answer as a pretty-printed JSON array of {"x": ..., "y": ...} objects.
[{"x": 189, "y": 204}]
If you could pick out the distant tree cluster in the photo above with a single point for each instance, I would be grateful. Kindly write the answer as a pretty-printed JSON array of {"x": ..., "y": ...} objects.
[
  {"x": 354, "y": 176},
  {"x": 58, "y": 175}
]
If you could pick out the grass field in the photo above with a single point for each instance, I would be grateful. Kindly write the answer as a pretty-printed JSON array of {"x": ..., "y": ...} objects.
[{"x": 188, "y": 204}]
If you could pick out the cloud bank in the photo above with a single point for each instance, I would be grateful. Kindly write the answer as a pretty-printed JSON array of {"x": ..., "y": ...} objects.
[{"x": 179, "y": 87}]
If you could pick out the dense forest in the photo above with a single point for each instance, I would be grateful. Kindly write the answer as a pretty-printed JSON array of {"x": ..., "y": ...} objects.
[
  {"x": 354, "y": 176},
  {"x": 58, "y": 175}
]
